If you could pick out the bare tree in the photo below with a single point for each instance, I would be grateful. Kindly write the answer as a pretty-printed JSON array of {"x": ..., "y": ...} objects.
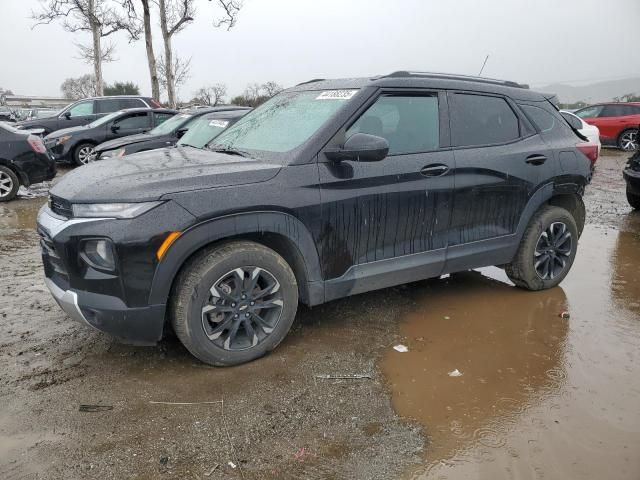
[
  {"x": 175, "y": 15},
  {"x": 212, "y": 95},
  {"x": 143, "y": 21},
  {"x": 180, "y": 71},
  {"x": 81, "y": 87},
  {"x": 231, "y": 9},
  {"x": 98, "y": 17},
  {"x": 271, "y": 88}
]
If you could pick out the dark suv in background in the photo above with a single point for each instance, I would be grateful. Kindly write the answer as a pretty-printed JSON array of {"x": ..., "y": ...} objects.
[
  {"x": 329, "y": 189},
  {"x": 86, "y": 111},
  {"x": 166, "y": 134},
  {"x": 77, "y": 144}
]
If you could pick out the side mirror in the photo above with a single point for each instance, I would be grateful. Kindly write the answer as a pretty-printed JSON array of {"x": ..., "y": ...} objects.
[
  {"x": 115, "y": 128},
  {"x": 361, "y": 147},
  {"x": 67, "y": 115},
  {"x": 181, "y": 131}
]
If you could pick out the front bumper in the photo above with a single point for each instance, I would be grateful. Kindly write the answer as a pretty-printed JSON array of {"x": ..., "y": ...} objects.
[
  {"x": 113, "y": 302},
  {"x": 137, "y": 326}
]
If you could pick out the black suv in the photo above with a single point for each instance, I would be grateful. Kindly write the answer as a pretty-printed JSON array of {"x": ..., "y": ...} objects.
[
  {"x": 86, "y": 111},
  {"x": 77, "y": 144},
  {"x": 329, "y": 189}
]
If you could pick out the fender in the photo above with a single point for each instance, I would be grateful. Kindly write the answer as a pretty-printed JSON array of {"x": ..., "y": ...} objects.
[
  {"x": 24, "y": 179},
  {"x": 228, "y": 226}
]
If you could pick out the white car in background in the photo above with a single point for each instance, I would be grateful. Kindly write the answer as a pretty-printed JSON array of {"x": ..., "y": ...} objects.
[{"x": 590, "y": 131}]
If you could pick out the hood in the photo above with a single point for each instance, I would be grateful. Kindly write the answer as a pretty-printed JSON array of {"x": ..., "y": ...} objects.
[
  {"x": 147, "y": 176},
  {"x": 124, "y": 141},
  {"x": 36, "y": 122},
  {"x": 66, "y": 131}
]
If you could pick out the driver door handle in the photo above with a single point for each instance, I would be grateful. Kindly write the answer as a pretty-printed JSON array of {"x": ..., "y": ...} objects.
[
  {"x": 434, "y": 170},
  {"x": 536, "y": 159}
]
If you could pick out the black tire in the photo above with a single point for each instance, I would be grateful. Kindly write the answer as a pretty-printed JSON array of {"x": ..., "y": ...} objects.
[
  {"x": 204, "y": 274},
  {"x": 522, "y": 270},
  {"x": 79, "y": 151},
  {"x": 9, "y": 184},
  {"x": 627, "y": 141},
  {"x": 634, "y": 200}
]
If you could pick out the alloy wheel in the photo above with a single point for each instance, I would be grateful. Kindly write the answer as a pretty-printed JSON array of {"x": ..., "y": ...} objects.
[
  {"x": 243, "y": 308},
  {"x": 629, "y": 140},
  {"x": 553, "y": 250},
  {"x": 6, "y": 184},
  {"x": 86, "y": 155}
]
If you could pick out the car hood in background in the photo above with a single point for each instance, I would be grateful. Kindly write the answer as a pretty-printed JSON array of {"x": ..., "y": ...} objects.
[
  {"x": 124, "y": 141},
  {"x": 66, "y": 131},
  {"x": 147, "y": 176}
]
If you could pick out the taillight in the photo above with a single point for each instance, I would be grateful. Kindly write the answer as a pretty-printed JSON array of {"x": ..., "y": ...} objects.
[
  {"x": 36, "y": 144},
  {"x": 589, "y": 149},
  {"x": 155, "y": 104}
]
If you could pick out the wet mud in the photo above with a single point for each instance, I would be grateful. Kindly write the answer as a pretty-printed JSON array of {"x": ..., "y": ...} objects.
[{"x": 539, "y": 395}]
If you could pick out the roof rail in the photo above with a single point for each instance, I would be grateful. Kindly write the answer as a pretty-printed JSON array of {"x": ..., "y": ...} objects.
[
  {"x": 311, "y": 81},
  {"x": 453, "y": 76}
]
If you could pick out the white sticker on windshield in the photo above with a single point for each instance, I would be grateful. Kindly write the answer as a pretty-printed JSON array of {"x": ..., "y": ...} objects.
[
  {"x": 218, "y": 123},
  {"x": 336, "y": 95}
]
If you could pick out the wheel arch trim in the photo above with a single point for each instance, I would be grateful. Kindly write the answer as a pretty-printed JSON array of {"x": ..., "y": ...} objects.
[{"x": 239, "y": 226}]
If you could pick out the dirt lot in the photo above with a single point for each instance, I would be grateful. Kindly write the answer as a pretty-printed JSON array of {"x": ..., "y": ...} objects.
[{"x": 539, "y": 396}]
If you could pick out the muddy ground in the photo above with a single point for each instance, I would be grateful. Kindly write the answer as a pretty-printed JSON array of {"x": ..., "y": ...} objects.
[{"x": 539, "y": 396}]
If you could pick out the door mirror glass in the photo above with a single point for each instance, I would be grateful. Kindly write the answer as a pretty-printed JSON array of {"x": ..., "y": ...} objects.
[{"x": 361, "y": 147}]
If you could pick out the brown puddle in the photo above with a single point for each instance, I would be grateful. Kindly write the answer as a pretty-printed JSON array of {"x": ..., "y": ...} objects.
[{"x": 540, "y": 396}]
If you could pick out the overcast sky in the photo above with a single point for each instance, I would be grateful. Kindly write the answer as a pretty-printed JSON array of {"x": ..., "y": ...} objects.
[{"x": 289, "y": 41}]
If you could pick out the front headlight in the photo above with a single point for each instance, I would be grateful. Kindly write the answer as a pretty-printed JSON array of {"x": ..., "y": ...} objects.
[
  {"x": 112, "y": 210},
  {"x": 64, "y": 139},
  {"x": 113, "y": 153}
]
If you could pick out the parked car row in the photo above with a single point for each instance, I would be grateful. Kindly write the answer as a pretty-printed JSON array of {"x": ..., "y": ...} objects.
[{"x": 329, "y": 189}]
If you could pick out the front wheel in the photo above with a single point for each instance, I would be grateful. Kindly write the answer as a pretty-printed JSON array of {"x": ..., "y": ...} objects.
[
  {"x": 234, "y": 303},
  {"x": 84, "y": 153},
  {"x": 633, "y": 199},
  {"x": 546, "y": 251}
]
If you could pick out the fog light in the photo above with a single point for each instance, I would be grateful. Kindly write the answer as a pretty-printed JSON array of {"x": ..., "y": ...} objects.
[{"x": 98, "y": 253}]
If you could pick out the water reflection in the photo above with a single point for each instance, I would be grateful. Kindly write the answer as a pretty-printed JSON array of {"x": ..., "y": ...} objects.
[
  {"x": 625, "y": 260},
  {"x": 507, "y": 343}
]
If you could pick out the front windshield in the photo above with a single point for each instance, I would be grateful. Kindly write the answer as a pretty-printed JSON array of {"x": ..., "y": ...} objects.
[
  {"x": 202, "y": 131},
  {"x": 284, "y": 122},
  {"x": 104, "y": 120},
  {"x": 170, "y": 125}
]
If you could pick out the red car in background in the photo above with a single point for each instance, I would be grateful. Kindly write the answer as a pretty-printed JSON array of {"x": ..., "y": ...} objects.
[{"x": 618, "y": 123}]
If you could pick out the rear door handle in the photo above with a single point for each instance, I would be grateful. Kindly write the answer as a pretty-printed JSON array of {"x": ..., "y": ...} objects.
[
  {"x": 536, "y": 159},
  {"x": 435, "y": 170}
]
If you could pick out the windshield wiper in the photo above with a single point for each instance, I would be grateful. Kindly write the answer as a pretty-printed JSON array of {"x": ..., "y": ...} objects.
[{"x": 231, "y": 151}]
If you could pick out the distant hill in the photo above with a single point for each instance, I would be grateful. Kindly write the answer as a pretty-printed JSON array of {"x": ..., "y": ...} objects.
[{"x": 595, "y": 92}]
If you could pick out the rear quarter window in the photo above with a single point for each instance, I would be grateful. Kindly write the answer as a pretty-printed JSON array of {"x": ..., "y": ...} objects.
[
  {"x": 478, "y": 120},
  {"x": 542, "y": 119}
]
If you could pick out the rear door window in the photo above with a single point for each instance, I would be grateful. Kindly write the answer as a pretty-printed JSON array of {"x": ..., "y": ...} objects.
[
  {"x": 135, "y": 121},
  {"x": 81, "y": 109},
  {"x": 130, "y": 103},
  {"x": 481, "y": 120},
  {"x": 160, "y": 118},
  {"x": 410, "y": 124},
  {"x": 107, "y": 105}
]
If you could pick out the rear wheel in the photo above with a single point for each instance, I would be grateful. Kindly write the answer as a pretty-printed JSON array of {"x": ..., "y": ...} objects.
[
  {"x": 9, "y": 184},
  {"x": 628, "y": 140},
  {"x": 633, "y": 199},
  {"x": 233, "y": 303},
  {"x": 546, "y": 251},
  {"x": 84, "y": 153}
]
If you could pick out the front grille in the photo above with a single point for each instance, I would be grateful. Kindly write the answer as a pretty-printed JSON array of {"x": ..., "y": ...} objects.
[
  {"x": 60, "y": 206},
  {"x": 50, "y": 257}
]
